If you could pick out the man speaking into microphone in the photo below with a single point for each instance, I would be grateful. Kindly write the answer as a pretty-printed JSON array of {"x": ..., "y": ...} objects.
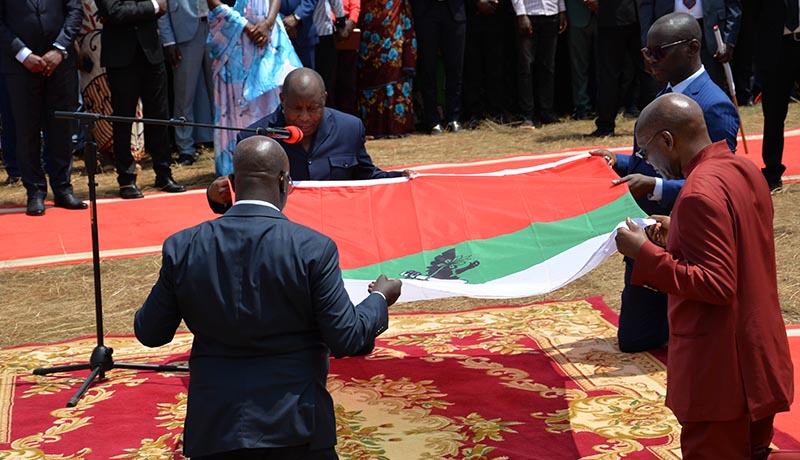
[{"x": 331, "y": 146}]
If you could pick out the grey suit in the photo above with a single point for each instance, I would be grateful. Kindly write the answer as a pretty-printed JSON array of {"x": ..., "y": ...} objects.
[
  {"x": 184, "y": 27},
  {"x": 266, "y": 302}
]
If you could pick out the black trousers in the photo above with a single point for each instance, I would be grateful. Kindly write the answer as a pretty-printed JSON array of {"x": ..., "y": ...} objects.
[
  {"x": 345, "y": 83},
  {"x": 537, "y": 57},
  {"x": 613, "y": 44},
  {"x": 325, "y": 63},
  {"x": 279, "y": 453},
  {"x": 34, "y": 98},
  {"x": 488, "y": 82},
  {"x": 147, "y": 81},
  {"x": 436, "y": 29},
  {"x": 780, "y": 72},
  {"x": 643, "y": 321}
]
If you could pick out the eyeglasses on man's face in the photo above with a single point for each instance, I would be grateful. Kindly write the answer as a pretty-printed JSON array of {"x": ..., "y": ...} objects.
[
  {"x": 657, "y": 52},
  {"x": 641, "y": 152},
  {"x": 284, "y": 176}
]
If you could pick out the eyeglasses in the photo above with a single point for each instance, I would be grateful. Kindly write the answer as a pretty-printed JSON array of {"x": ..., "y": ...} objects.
[
  {"x": 642, "y": 151},
  {"x": 656, "y": 53},
  {"x": 289, "y": 181}
]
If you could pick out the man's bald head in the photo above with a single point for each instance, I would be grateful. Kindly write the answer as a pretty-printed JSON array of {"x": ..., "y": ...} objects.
[
  {"x": 261, "y": 168},
  {"x": 673, "y": 47},
  {"x": 671, "y": 130},
  {"x": 678, "y": 26},
  {"x": 304, "y": 81}
]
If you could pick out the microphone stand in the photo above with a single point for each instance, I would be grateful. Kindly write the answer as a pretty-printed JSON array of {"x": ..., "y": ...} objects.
[{"x": 101, "y": 359}]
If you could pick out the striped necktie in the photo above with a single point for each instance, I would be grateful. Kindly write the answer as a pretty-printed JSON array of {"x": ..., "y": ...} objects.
[{"x": 689, "y": 4}]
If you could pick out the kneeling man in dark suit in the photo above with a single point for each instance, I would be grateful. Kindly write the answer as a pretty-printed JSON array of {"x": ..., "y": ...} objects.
[{"x": 266, "y": 302}]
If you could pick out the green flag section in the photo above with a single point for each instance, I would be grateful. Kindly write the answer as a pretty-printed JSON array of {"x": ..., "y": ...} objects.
[{"x": 494, "y": 234}]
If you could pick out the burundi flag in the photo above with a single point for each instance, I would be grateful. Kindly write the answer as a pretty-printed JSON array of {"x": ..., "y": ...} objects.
[{"x": 496, "y": 234}]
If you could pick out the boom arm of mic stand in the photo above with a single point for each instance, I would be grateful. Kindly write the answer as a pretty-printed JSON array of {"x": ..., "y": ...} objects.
[{"x": 95, "y": 117}]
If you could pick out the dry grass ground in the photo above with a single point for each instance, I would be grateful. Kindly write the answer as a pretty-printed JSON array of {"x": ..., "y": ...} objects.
[{"x": 57, "y": 303}]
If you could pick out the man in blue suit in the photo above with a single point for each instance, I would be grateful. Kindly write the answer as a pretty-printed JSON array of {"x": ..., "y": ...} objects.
[
  {"x": 672, "y": 55},
  {"x": 727, "y": 14},
  {"x": 332, "y": 147},
  {"x": 265, "y": 300},
  {"x": 183, "y": 30},
  {"x": 299, "y": 22}
]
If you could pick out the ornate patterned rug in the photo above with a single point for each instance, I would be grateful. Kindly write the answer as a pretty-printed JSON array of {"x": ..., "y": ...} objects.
[{"x": 538, "y": 381}]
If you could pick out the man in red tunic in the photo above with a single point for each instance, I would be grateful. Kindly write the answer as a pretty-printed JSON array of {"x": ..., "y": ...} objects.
[{"x": 729, "y": 370}]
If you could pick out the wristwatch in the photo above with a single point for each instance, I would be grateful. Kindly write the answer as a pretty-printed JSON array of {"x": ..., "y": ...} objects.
[
  {"x": 296, "y": 17},
  {"x": 64, "y": 53}
]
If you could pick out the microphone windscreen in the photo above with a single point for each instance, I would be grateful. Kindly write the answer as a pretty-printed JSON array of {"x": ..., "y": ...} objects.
[{"x": 295, "y": 135}]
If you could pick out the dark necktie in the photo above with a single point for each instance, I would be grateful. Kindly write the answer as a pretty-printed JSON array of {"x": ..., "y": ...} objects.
[
  {"x": 689, "y": 4},
  {"x": 792, "y": 14}
]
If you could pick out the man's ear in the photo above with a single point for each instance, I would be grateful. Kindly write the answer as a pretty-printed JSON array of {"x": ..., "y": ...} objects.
[
  {"x": 669, "y": 141},
  {"x": 694, "y": 47}
]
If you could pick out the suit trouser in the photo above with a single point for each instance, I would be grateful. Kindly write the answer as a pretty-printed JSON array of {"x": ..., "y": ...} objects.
[
  {"x": 538, "y": 52},
  {"x": 612, "y": 45},
  {"x": 776, "y": 82},
  {"x": 436, "y": 29},
  {"x": 9, "y": 136},
  {"x": 325, "y": 63},
  {"x": 740, "y": 439},
  {"x": 345, "y": 82},
  {"x": 279, "y": 453},
  {"x": 582, "y": 47},
  {"x": 489, "y": 40},
  {"x": 34, "y": 98},
  {"x": 643, "y": 321},
  {"x": 147, "y": 81},
  {"x": 195, "y": 62}
]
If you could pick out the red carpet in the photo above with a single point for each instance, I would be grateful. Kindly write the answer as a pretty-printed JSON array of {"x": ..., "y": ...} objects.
[
  {"x": 130, "y": 228},
  {"x": 536, "y": 382},
  {"x": 789, "y": 422}
]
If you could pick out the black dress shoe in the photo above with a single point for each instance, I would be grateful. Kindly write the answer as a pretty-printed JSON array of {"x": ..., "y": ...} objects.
[
  {"x": 130, "y": 192},
  {"x": 185, "y": 160},
  {"x": 454, "y": 126},
  {"x": 436, "y": 130},
  {"x": 69, "y": 201},
  {"x": 548, "y": 118},
  {"x": 602, "y": 133},
  {"x": 35, "y": 206},
  {"x": 169, "y": 185},
  {"x": 13, "y": 181}
]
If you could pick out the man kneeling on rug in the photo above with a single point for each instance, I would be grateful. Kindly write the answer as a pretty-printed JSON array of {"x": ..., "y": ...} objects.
[
  {"x": 728, "y": 370},
  {"x": 266, "y": 302}
]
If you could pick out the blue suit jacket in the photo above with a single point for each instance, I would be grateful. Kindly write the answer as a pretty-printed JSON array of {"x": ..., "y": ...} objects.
[
  {"x": 304, "y": 9},
  {"x": 722, "y": 121},
  {"x": 180, "y": 22},
  {"x": 266, "y": 302},
  {"x": 727, "y": 14},
  {"x": 337, "y": 152}
]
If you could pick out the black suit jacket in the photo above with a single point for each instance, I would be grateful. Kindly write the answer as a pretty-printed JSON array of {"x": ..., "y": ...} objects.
[
  {"x": 128, "y": 24},
  {"x": 266, "y": 302},
  {"x": 38, "y": 25}
]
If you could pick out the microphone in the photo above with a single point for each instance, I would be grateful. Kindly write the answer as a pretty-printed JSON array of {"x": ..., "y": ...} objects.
[{"x": 289, "y": 134}]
